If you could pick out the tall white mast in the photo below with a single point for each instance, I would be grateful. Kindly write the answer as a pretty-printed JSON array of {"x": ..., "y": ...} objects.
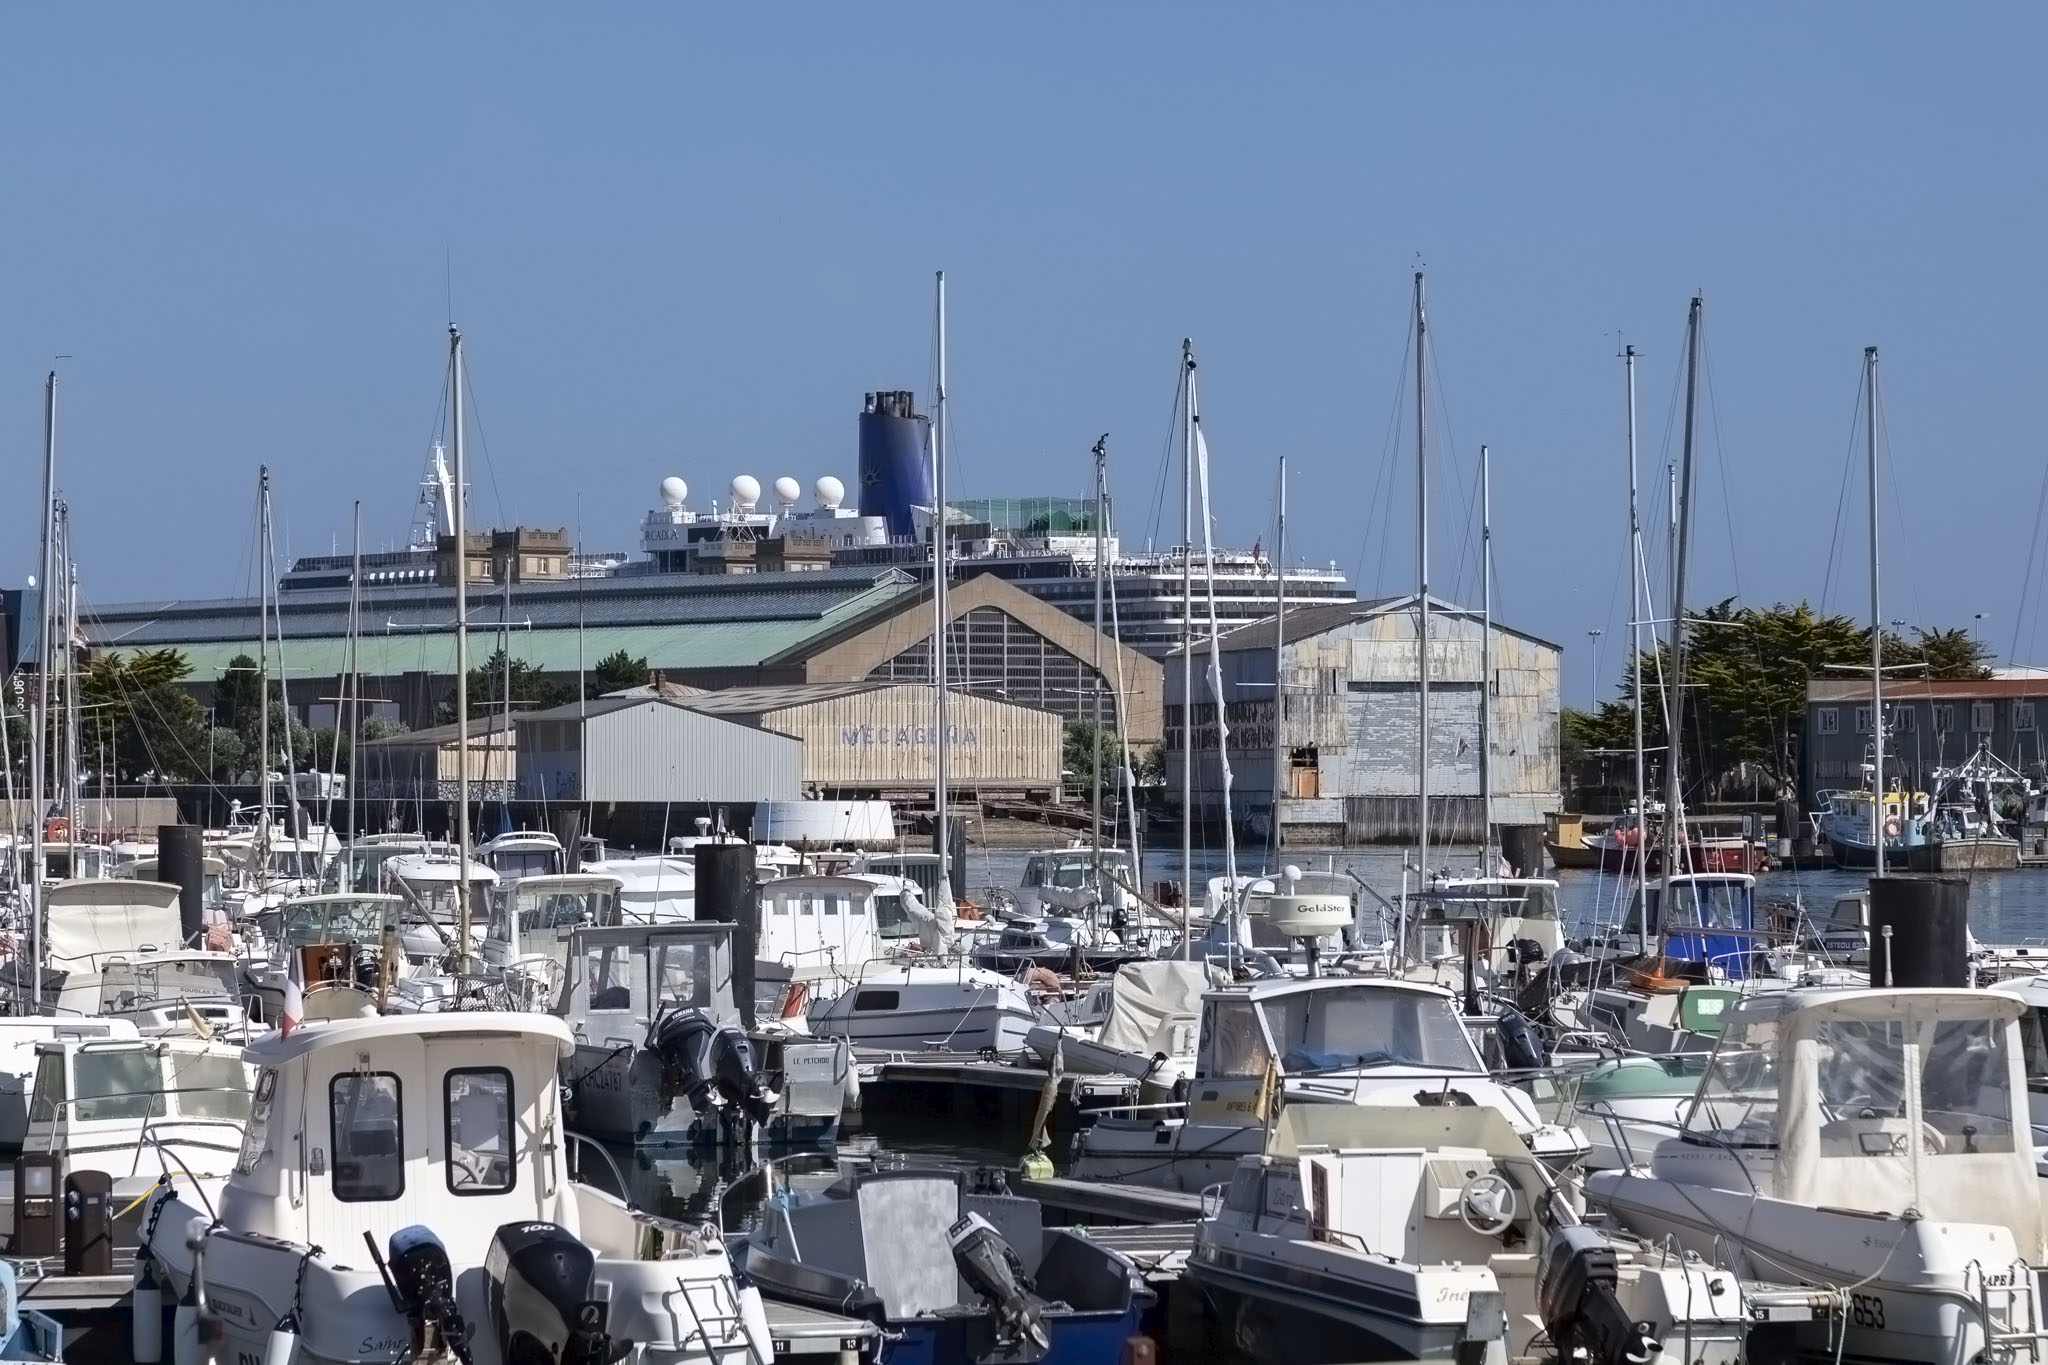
[
  {"x": 941, "y": 784},
  {"x": 355, "y": 679},
  {"x": 1486, "y": 663},
  {"x": 1421, "y": 590},
  {"x": 38, "y": 739},
  {"x": 1876, "y": 623},
  {"x": 262, "y": 663},
  {"x": 1187, "y": 647},
  {"x": 459, "y": 514},
  {"x": 1674, "y": 701},
  {"x": 1635, "y": 597},
  {"x": 1101, "y": 454},
  {"x": 1279, "y": 672}
]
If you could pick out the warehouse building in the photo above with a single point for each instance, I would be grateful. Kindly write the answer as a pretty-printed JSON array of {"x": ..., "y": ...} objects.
[
  {"x": 1930, "y": 723},
  {"x": 866, "y": 740},
  {"x": 426, "y": 765},
  {"x": 1350, "y": 689},
  {"x": 646, "y": 751}
]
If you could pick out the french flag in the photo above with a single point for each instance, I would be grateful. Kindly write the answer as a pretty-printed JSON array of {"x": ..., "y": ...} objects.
[{"x": 293, "y": 1012}]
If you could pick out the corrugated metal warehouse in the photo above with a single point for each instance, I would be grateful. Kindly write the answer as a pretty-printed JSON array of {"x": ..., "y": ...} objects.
[
  {"x": 866, "y": 739},
  {"x": 1351, "y": 724},
  {"x": 650, "y": 751},
  {"x": 426, "y": 765}
]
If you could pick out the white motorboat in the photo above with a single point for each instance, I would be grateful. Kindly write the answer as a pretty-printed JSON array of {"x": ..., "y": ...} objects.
[
  {"x": 435, "y": 1145},
  {"x": 527, "y": 942},
  {"x": 431, "y": 885},
  {"x": 19, "y": 1035},
  {"x": 821, "y": 931},
  {"x": 653, "y": 890},
  {"x": 347, "y": 949},
  {"x": 912, "y": 1009},
  {"x": 88, "y": 924},
  {"x": 1149, "y": 1034},
  {"x": 523, "y": 853},
  {"x": 1433, "y": 1234},
  {"x": 184, "y": 991},
  {"x": 1867, "y": 1142},
  {"x": 1328, "y": 1040},
  {"x": 662, "y": 1057}
]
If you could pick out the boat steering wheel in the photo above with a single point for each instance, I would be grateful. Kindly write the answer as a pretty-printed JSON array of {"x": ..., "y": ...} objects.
[{"x": 1487, "y": 1204}]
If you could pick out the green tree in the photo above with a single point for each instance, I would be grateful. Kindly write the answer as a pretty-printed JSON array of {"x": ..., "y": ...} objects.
[
  {"x": 238, "y": 697},
  {"x": 1083, "y": 747},
  {"x": 137, "y": 720},
  {"x": 615, "y": 672},
  {"x": 531, "y": 690}
]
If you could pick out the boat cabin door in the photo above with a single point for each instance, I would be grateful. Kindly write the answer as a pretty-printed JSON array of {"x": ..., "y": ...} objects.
[{"x": 1235, "y": 1070}]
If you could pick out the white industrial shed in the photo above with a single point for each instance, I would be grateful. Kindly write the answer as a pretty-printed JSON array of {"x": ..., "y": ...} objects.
[{"x": 645, "y": 749}]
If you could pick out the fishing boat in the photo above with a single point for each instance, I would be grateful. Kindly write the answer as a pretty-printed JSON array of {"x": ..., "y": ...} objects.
[
  {"x": 403, "y": 1194},
  {"x": 663, "y": 1058},
  {"x": 1847, "y": 819},
  {"x": 1433, "y": 1234},
  {"x": 951, "y": 1272},
  {"x": 1868, "y": 1139},
  {"x": 1330, "y": 1040}
]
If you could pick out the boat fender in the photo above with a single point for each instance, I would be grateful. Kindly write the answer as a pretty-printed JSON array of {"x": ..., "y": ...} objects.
[
  {"x": 185, "y": 1344},
  {"x": 283, "y": 1346},
  {"x": 146, "y": 1336}
]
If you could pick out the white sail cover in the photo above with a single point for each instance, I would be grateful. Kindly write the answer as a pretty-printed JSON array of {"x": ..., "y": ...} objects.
[
  {"x": 89, "y": 921},
  {"x": 1149, "y": 997}
]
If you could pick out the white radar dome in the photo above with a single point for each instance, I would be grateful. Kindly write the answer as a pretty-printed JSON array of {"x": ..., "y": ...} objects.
[
  {"x": 673, "y": 491},
  {"x": 830, "y": 492},
  {"x": 746, "y": 491},
  {"x": 787, "y": 491}
]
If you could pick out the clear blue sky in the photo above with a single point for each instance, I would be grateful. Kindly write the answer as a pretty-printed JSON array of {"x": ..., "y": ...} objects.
[{"x": 685, "y": 239}]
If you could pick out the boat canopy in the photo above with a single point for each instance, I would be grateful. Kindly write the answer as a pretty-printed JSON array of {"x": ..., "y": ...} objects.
[{"x": 1149, "y": 998}]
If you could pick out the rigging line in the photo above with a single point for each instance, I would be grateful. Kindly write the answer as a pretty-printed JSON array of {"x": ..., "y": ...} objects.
[
  {"x": 1842, "y": 491},
  {"x": 1720, "y": 460},
  {"x": 1166, "y": 452},
  {"x": 1446, "y": 465},
  {"x": 2027, "y": 579},
  {"x": 1386, "y": 477},
  {"x": 1911, "y": 582},
  {"x": 476, "y": 419}
]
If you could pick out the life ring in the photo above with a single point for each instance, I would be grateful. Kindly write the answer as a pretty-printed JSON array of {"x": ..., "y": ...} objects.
[
  {"x": 1892, "y": 827},
  {"x": 56, "y": 827},
  {"x": 794, "y": 997}
]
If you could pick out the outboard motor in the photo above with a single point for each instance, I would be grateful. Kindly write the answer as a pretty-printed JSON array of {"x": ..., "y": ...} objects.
[
  {"x": 991, "y": 1268},
  {"x": 1520, "y": 1046},
  {"x": 422, "y": 1286},
  {"x": 539, "y": 1287},
  {"x": 1576, "y": 1297},
  {"x": 713, "y": 1066}
]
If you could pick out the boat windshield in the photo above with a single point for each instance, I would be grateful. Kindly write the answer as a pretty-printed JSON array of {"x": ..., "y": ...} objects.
[
  {"x": 1737, "y": 1105},
  {"x": 292, "y": 864},
  {"x": 2034, "y": 1043},
  {"x": 526, "y": 862},
  {"x": 337, "y": 921},
  {"x": 891, "y": 919},
  {"x": 1340, "y": 1027},
  {"x": 132, "y": 985},
  {"x": 562, "y": 909}
]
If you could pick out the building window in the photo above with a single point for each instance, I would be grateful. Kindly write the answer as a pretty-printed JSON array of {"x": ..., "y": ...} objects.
[
  {"x": 1862, "y": 720},
  {"x": 1828, "y": 720},
  {"x": 1980, "y": 717},
  {"x": 1944, "y": 719},
  {"x": 479, "y": 1115},
  {"x": 1905, "y": 719},
  {"x": 368, "y": 1136},
  {"x": 2023, "y": 715}
]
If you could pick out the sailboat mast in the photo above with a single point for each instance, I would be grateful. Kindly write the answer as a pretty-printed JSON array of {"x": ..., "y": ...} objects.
[
  {"x": 941, "y": 842},
  {"x": 1486, "y": 663},
  {"x": 262, "y": 660},
  {"x": 355, "y": 677},
  {"x": 459, "y": 515},
  {"x": 1635, "y": 594},
  {"x": 1279, "y": 671},
  {"x": 1421, "y": 590},
  {"x": 1101, "y": 453},
  {"x": 1187, "y": 647},
  {"x": 1876, "y": 624},
  {"x": 1674, "y": 701},
  {"x": 38, "y": 739}
]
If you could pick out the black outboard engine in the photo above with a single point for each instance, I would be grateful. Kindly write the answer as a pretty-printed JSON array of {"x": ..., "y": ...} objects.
[
  {"x": 1520, "y": 1046},
  {"x": 1577, "y": 1300},
  {"x": 714, "y": 1066},
  {"x": 422, "y": 1285},
  {"x": 538, "y": 1290},
  {"x": 992, "y": 1270}
]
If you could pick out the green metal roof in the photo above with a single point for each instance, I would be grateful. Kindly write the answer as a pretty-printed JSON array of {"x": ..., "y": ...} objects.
[{"x": 701, "y": 644}]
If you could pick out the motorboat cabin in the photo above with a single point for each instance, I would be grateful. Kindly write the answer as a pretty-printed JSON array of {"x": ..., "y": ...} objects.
[
  {"x": 348, "y": 952},
  {"x": 532, "y": 918},
  {"x": 822, "y": 930},
  {"x": 523, "y": 853},
  {"x": 438, "y": 1140},
  {"x": 86, "y": 924},
  {"x": 1711, "y": 922},
  {"x": 182, "y": 991},
  {"x": 661, "y": 1056},
  {"x": 1871, "y": 1138}
]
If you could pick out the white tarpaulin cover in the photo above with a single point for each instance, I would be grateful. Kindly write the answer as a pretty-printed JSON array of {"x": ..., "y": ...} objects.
[
  {"x": 1151, "y": 995},
  {"x": 89, "y": 921}
]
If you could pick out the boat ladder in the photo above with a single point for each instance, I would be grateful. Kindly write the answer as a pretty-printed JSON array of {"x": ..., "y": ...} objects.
[
  {"x": 714, "y": 1306},
  {"x": 2009, "y": 1302}
]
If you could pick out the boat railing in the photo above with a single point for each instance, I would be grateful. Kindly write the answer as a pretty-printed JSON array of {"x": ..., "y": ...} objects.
[
  {"x": 578, "y": 1141},
  {"x": 1213, "y": 1197}
]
